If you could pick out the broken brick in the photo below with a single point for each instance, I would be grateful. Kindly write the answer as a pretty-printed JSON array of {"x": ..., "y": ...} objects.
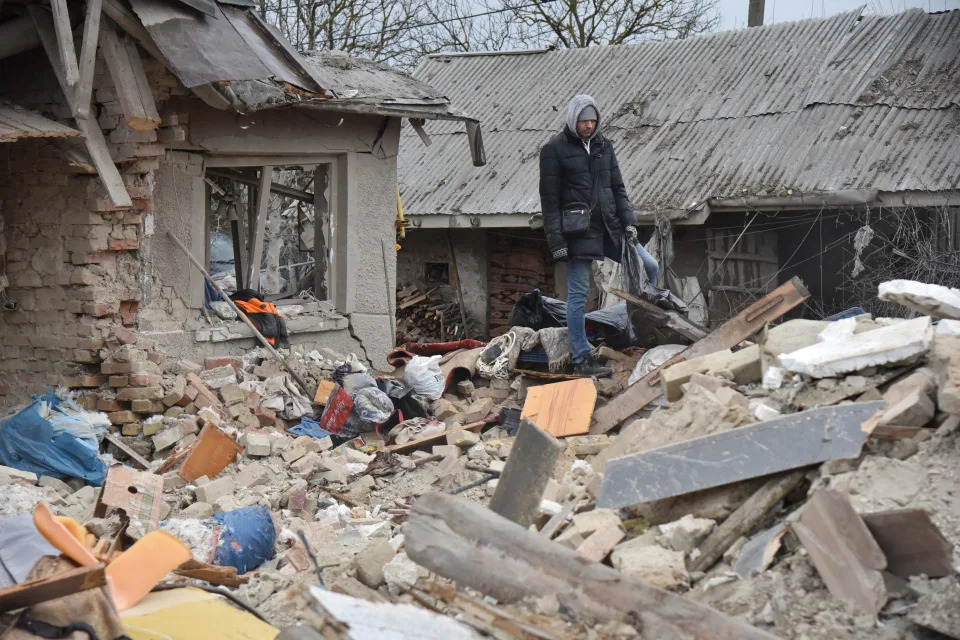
[{"x": 216, "y": 362}]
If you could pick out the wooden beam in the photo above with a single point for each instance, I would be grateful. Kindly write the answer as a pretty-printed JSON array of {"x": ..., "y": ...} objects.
[
  {"x": 742, "y": 521},
  {"x": 97, "y": 147},
  {"x": 258, "y": 230},
  {"x": 670, "y": 319},
  {"x": 407, "y": 446},
  {"x": 116, "y": 441},
  {"x": 275, "y": 187},
  {"x": 68, "y": 52},
  {"x": 470, "y": 544},
  {"x": 58, "y": 585},
  {"x": 129, "y": 80},
  {"x": 729, "y": 334},
  {"x": 88, "y": 58},
  {"x": 93, "y": 137}
]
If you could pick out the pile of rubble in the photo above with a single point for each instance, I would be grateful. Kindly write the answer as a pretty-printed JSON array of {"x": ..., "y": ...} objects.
[{"x": 803, "y": 485}]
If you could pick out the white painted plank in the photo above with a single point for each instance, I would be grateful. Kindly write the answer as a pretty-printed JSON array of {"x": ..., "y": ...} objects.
[
  {"x": 259, "y": 230},
  {"x": 68, "y": 53},
  {"x": 129, "y": 80},
  {"x": 88, "y": 58}
]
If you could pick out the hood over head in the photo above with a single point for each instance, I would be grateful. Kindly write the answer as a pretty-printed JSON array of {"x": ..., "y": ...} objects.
[{"x": 577, "y": 104}]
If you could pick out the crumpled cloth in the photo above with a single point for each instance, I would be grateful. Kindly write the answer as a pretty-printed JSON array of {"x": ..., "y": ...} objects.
[
  {"x": 283, "y": 396},
  {"x": 556, "y": 344}
]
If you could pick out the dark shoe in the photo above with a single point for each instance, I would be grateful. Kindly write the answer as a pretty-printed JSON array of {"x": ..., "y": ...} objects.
[{"x": 591, "y": 367}]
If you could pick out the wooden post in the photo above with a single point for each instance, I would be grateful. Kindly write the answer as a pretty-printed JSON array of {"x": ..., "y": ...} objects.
[
  {"x": 93, "y": 137},
  {"x": 258, "y": 230},
  {"x": 130, "y": 81},
  {"x": 256, "y": 332},
  {"x": 477, "y": 548},
  {"x": 68, "y": 55},
  {"x": 456, "y": 270},
  {"x": 755, "y": 13},
  {"x": 88, "y": 58}
]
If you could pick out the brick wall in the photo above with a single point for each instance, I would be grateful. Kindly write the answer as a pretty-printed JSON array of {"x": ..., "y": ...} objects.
[{"x": 72, "y": 259}]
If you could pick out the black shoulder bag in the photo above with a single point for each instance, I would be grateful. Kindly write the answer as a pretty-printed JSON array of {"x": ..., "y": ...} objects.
[{"x": 575, "y": 219}]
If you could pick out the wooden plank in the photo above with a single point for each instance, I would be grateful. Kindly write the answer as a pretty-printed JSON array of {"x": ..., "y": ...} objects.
[
  {"x": 100, "y": 155},
  {"x": 129, "y": 80},
  {"x": 470, "y": 544},
  {"x": 58, "y": 585},
  {"x": 258, "y": 230},
  {"x": 911, "y": 542},
  {"x": 563, "y": 408},
  {"x": 17, "y": 123},
  {"x": 212, "y": 452},
  {"x": 729, "y": 334},
  {"x": 789, "y": 442},
  {"x": 554, "y": 523},
  {"x": 213, "y": 574},
  {"x": 68, "y": 52},
  {"x": 742, "y": 521},
  {"x": 116, "y": 441},
  {"x": 408, "y": 446},
  {"x": 669, "y": 319},
  {"x": 88, "y": 58},
  {"x": 546, "y": 375},
  {"x": 324, "y": 389},
  {"x": 842, "y": 549}
]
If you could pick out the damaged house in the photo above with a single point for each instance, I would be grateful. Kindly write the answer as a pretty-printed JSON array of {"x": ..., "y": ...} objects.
[
  {"x": 827, "y": 149},
  {"x": 125, "y": 123}
]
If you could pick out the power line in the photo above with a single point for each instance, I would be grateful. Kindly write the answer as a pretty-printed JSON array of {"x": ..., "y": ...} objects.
[{"x": 457, "y": 19}]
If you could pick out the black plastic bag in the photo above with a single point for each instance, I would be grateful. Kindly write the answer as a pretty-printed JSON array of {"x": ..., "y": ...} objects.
[
  {"x": 538, "y": 312},
  {"x": 634, "y": 280}
]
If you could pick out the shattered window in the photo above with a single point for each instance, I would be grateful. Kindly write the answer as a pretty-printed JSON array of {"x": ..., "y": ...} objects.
[{"x": 286, "y": 233}]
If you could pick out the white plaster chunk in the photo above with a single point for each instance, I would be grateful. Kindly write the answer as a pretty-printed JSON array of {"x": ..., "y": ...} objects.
[
  {"x": 929, "y": 299},
  {"x": 839, "y": 330},
  {"x": 884, "y": 346},
  {"x": 949, "y": 327}
]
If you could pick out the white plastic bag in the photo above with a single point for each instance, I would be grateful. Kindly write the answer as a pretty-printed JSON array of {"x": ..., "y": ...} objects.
[{"x": 423, "y": 375}]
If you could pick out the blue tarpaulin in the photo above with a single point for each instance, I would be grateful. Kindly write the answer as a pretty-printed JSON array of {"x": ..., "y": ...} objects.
[
  {"x": 54, "y": 437},
  {"x": 246, "y": 538}
]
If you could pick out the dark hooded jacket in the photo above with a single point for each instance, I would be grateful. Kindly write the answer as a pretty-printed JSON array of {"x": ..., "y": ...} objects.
[{"x": 566, "y": 165}]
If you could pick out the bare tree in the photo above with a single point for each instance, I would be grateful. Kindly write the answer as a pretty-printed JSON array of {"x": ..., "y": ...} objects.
[{"x": 580, "y": 23}]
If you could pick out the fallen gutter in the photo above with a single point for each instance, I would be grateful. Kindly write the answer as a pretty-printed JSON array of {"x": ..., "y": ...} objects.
[{"x": 843, "y": 198}]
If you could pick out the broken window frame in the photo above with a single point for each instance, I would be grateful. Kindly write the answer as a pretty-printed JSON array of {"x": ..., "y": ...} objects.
[{"x": 329, "y": 200}]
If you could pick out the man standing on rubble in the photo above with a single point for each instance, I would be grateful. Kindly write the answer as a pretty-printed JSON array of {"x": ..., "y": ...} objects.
[{"x": 586, "y": 215}]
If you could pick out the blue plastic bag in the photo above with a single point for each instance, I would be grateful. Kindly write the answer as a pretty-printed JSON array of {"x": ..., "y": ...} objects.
[
  {"x": 246, "y": 538},
  {"x": 53, "y": 437},
  {"x": 308, "y": 427}
]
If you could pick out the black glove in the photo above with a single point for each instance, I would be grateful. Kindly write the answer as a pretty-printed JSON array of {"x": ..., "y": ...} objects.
[
  {"x": 631, "y": 235},
  {"x": 560, "y": 255}
]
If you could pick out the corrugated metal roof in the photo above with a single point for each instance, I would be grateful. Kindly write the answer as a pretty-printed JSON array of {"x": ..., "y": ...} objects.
[{"x": 818, "y": 105}]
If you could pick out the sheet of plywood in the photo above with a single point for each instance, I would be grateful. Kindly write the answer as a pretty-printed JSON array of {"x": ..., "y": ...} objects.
[
  {"x": 563, "y": 408},
  {"x": 214, "y": 450},
  {"x": 324, "y": 389}
]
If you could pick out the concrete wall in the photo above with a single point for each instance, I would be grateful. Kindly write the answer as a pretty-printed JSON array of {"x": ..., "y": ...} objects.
[
  {"x": 431, "y": 245},
  {"x": 362, "y": 198}
]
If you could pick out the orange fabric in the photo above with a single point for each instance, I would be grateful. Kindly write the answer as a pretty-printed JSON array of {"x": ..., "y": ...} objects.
[{"x": 257, "y": 306}]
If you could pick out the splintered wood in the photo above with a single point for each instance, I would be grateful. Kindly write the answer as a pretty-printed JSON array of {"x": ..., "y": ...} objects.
[{"x": 561, "y": 409}]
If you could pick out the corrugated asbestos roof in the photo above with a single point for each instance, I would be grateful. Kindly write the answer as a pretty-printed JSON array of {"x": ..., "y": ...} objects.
[{"x": 846, "y": 102}]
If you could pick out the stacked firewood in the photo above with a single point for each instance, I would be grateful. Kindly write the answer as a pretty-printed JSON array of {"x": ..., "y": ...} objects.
[{"x": 424, "y": 316}]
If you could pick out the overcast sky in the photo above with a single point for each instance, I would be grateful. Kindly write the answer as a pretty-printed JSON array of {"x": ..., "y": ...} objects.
[{"x": 733, "y": 13}]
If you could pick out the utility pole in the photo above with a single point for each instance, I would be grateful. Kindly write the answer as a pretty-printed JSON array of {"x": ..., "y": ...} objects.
[{"x": 755, "y": 14}]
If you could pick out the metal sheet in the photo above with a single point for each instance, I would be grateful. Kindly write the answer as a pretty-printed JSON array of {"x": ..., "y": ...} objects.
[
  {"x": 861, "y": 103},
  {"x": 793, "y": 441}
]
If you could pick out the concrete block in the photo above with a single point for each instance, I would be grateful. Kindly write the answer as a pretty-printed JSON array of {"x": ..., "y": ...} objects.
[
  {"x": 898, "y": 343},
  {"x": 141, "y": 393},
  {"x": 219, "y": 377},
  {"x": 147, "y": 406},
  {"x": 231, "y": 394},
  {"x": 914, "y": 410},
  {"x": 130, "y": 429},
  {"x": 929, "y": 299},
  {"x": 465, "y": 387},
  {"x": 948, "y": 397},
  {"x": 443, "y": 409},
  {"x": 167, "y": 438},
  {"x": 200, "y": 510},
  {"x": 651, "y": 563},
  {"x": 745, "y": 363},
  {"x": 293, "y": 452},
  {"x": 56, "y": 484},
  {"x": 686, "y": 534},
  {"x": 732, "y": 398},
  {"x": 253, "y": 475},
  {"x": 215, "y": 489},
  {"x": 463, "y": 439},
  {"x": 370, "y": 561},
  {"x": 359, "y": 457},
  {"x": 122, "y": 417},
  {"x": 525, "y": 475},
  {"x": 708, "y": 382},
  {"x": 256, "y": 443},
  {"x": 307, "y": 464},
  {"x": 790, "y": 442},
  {"x": 589, "y": 521},
  {"x": 172, "y": 481},
  {"x": 915, "y": 381},
  {"x": 478, "y": 410},
  {"x": 183, "y": 367},
  {"x": 446, "y": 450}
]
